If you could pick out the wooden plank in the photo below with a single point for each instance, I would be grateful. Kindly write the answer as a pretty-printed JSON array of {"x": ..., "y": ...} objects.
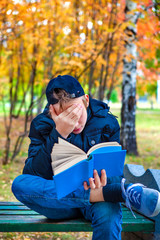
[
  {"x": 22, "y": 207},
  {"x": 41, "y": 224},
  {"x": 38, "y": 223},
  {"x": 23, "y": 210},
  {"x": 10, "y": 212},
  {"x": 15, "y": 217},
  {"x": 11, "y": 203},
  {"x": 126, "y": 214},
  {"x": 37, "y": 219},
  {"x": 7, "y": 205}
]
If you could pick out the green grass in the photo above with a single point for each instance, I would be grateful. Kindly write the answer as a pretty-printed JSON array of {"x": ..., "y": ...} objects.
[
  {"x": 23, "y": 110},
  {"x": 148, "y": 138},
  {"x": 48, "y": 236}
]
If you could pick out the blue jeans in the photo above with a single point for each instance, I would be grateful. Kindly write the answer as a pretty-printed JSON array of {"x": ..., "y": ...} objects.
[{"x": 39, "y": 194}]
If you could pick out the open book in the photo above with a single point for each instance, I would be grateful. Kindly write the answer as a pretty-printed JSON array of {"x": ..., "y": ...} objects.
[
  {"x": 72, "y": 166},
  {"x": 65, "y": 154}
]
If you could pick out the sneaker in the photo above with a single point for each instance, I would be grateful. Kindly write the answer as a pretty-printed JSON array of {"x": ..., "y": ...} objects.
[{"x": 143, "y": 199}]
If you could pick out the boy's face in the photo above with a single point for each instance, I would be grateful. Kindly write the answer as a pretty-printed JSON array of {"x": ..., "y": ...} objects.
[{"x": 83, "y": 116}]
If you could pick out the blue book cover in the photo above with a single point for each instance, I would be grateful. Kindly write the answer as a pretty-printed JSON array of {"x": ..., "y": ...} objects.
[{"x": 68, "y": 179}]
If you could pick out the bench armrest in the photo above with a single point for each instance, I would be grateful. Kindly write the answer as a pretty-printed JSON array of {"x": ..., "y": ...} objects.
[{"x": 150, "y": 178}]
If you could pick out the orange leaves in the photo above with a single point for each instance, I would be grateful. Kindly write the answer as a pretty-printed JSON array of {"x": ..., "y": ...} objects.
[
  {"x": 145, "y": 75},
  {"x": 129, "y": 57},
  {"x": 96, "y": 83},
  {"x": 70, "y": 36}
]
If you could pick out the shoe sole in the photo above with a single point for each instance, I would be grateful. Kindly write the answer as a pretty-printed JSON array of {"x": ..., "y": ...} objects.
[{"x": 157, "y": 209}]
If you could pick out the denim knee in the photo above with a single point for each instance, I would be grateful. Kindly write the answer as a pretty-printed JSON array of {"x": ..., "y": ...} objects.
[
  {"x": 30, "y": 189},
  {"x": 26, "y": 185},
  {"x": 16, "y": 186},
  {"x": 106, "y": 220},
  {"x": 106, "y": 213}
]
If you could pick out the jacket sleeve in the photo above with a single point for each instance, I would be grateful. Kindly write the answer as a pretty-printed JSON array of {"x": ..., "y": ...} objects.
[
  {"x": 115, "y": 137},
  {"x": 39, "y": 152},
  {"x": 111, "y": 131},
  {"x": 115, "y": 134}
]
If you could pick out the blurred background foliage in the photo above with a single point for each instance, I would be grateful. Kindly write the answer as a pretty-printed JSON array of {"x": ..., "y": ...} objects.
[
  {"x": 40, "y": 39},
  {"x": 86, "y": 39}
]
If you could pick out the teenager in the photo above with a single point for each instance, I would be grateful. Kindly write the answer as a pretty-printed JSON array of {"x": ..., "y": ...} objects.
[{"x": 84, "y": 122}]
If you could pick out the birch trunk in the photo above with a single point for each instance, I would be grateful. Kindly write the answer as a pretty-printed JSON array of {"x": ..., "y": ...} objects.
[{"x": 128, "y": 111}]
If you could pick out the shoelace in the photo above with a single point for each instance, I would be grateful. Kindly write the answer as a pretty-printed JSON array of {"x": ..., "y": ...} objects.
[
  {"x": 128, "y": 194},
  {"x": 127, "y": 199},
  {"x": 132, "y": 194}
]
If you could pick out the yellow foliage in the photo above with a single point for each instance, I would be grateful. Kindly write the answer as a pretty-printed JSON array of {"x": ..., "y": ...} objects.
[
  {"x": 67, "y": 39},
  {"x": 96, "y": 83}
]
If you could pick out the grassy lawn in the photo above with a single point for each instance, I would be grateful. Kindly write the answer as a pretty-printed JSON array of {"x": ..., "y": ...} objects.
[
  {"x": 148, "y": 138},
  {"x": 148, "y": 141}
]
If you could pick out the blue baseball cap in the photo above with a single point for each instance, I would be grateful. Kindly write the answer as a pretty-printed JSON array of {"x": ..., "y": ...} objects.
[{"x": 67, "y": 83}]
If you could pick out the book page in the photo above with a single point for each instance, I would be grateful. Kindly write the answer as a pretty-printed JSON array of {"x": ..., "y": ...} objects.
[
  {"x": 104, "y": 144},
  {"x": 69, "y": 145},
  {"x": 64, "y": 152},
  {"x": 61, "y": 160},
  {"x": 58, "y": 157},
  {"x": 68, "y": 148},
  {"x": 58, "y": 149},
  {"x": 68, "y": 164}
]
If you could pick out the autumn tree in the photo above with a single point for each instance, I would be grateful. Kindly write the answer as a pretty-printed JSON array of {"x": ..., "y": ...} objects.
[
  {"x": 128, "y": 111},
  {"x": 41, "y": 39},
  {"x": 22, "y": 63},
  {"x": 149, "y": 50},
  {"x": 128, "y": 131}
]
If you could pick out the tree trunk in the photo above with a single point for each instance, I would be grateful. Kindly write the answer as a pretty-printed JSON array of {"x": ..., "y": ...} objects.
[{"x": 128, "y": 111}]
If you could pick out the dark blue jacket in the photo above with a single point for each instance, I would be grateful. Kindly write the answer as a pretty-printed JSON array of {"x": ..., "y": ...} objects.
[{"x": 101, "y": 126}]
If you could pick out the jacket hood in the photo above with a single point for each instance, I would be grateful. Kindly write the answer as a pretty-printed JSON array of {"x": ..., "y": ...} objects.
[
  {"x": 98, "y": 108},
  {"x": 46, "y": 109}
]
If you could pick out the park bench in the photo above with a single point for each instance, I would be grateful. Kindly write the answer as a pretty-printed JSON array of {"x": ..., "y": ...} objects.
[{"x": 15, "y": 217}]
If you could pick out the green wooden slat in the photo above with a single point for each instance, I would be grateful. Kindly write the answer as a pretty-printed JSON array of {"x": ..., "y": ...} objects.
[
  {"x": 126, "y": 214},
  {"x": 69, "y": 226},
  {"x": 25, "y": 212},
  {"x": 15, "y": 217},
  {"x": 18, "y": 211},
  {"x": 23, "y": 207},
  {"x": 14, "y": 208},
  {"x": 10, "y": 203},
  {"x": 21, "y": 223},
  {"x": 19, "y": 206},
  {"x": 38, "y": 217},
  {"x": 40, "y": 223},
  {"x": 23, "y": 219}
]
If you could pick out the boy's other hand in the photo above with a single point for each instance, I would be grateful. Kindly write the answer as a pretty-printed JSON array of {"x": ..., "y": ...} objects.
[
  {"x": 96, "y": 182},
  {"x": 66, "y": 120}
]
